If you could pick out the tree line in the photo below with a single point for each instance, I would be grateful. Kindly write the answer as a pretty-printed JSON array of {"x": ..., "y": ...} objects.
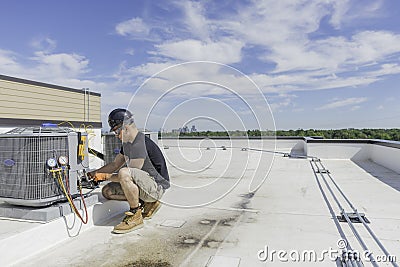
[{"x": 350, "y": 133}]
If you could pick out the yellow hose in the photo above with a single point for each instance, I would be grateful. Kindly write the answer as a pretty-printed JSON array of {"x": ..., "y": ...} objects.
[{"x": 73, "y": 207}]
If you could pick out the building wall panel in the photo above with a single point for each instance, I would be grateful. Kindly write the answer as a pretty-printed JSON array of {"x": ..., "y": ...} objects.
[{"x": 30, "y": 100}]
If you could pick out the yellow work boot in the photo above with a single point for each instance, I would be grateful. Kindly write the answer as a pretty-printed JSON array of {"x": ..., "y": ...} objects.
[
  {"x": 132, "y": 221},
  {"x": 150, "y": 208}
]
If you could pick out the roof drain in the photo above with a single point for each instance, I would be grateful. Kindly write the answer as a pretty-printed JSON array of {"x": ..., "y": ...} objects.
[
  {"x": 350, "y": 218},
  {"x": 354, "y": 218}
]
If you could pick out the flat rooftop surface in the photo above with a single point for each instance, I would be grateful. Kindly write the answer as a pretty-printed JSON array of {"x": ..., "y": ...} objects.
[{"x": 230, "y": 206}]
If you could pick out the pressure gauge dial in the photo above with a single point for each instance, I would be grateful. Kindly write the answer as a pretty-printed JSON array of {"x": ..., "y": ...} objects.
[
  {"x": 51, "y": 162},
  {"x": 63, "y": 160}
]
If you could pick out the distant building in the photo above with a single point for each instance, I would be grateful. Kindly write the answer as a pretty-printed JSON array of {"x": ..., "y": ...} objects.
[
  {"x": 193, "y": 130},
  {"x": 176, "y": 131},
  {"x": 184, "y": 129}
]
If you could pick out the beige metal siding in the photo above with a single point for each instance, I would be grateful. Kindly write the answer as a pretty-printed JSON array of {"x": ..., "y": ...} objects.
[{"x": 26, "y": 101}]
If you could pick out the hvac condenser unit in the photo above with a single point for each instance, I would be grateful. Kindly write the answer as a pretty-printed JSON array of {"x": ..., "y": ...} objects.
[
  {"x": 112, "y": 145},
  {"x": 27, "y": 158}
]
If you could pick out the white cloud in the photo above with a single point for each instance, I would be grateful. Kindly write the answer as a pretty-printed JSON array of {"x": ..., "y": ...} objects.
[
  {"x": 61, "y": 65},
  {"x": 130, "y": 51},
  {"x": 148, "y": 69},
  {"x": 352, "y": 102},
  {"x": 8, "y": 62},
  {"x": 282, "y": 30},
  {"x": 133, "y": 28},
  {"x": 274, "y": 23},
  {"x": 44, "y": 44},
  {"x": 43, "y": 65},
  {"x": 386, "y": 69},
  {"x": 281, "y": 101},
  {"x": 225, "y": 51},
  {"x": 285, "y": 83},
  {"x": 56, "y": 68},
  {"x": 336, "y": 54},
  {"x": 370, "y": 46},
  {"x": 277, "y": 83},
  {"x": 168, "y": 75},
  {"x": 356, "y": 11},
  {"x": 340, "y": 10},
  {"x": 195, "y": 20},
  {"x": 347, "y": 11}
]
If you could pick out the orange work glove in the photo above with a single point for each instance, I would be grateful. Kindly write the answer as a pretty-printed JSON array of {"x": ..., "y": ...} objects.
[{"x": 98, "y": 177}]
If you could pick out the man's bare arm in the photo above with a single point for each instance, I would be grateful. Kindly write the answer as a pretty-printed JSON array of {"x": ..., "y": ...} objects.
[
  {"x": 136, "y": 163},
  {"x": 133, "y": 163},
  {"x": 111, "y": 167}
]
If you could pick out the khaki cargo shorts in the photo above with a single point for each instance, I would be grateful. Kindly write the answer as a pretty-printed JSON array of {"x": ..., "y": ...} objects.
[{"x": 149, "y": 191}]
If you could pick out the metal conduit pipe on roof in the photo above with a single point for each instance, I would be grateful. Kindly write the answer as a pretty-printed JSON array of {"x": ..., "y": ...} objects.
[
  {"x": 376, "y": 239},
  {"x": 349, "y": 222},
  {"x": 360, "y": 218},
  {"x": 248, "y": 148},
  {"x": 359, "y": 238},
  {"x": 345, "y": 262}
]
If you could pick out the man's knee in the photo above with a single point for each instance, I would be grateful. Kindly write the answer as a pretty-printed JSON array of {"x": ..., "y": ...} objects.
[{"x": 124, "y": 174}]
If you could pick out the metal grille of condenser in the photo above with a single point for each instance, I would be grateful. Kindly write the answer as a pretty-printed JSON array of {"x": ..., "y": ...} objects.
[
  {"x": 28, "y": 178},
  {"x": 112, "y": 146},
  {"x": 24, "y": 175}
]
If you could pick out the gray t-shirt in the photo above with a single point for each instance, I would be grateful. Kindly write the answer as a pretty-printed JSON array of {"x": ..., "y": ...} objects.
[{"x": 137, "y": 150}]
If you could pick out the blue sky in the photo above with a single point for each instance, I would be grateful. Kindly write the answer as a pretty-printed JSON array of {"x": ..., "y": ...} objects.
[{"x": 319, "y": 64}]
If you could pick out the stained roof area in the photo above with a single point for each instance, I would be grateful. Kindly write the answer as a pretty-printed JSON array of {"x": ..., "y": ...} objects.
[{"x": 210, "y": 218}]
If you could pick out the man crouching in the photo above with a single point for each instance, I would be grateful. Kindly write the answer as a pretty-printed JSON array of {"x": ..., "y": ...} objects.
[{"x": 145, "y": 177}]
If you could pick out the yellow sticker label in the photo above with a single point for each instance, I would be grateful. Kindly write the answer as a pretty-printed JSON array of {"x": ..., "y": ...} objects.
[{"x": 81, "y": 148}]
